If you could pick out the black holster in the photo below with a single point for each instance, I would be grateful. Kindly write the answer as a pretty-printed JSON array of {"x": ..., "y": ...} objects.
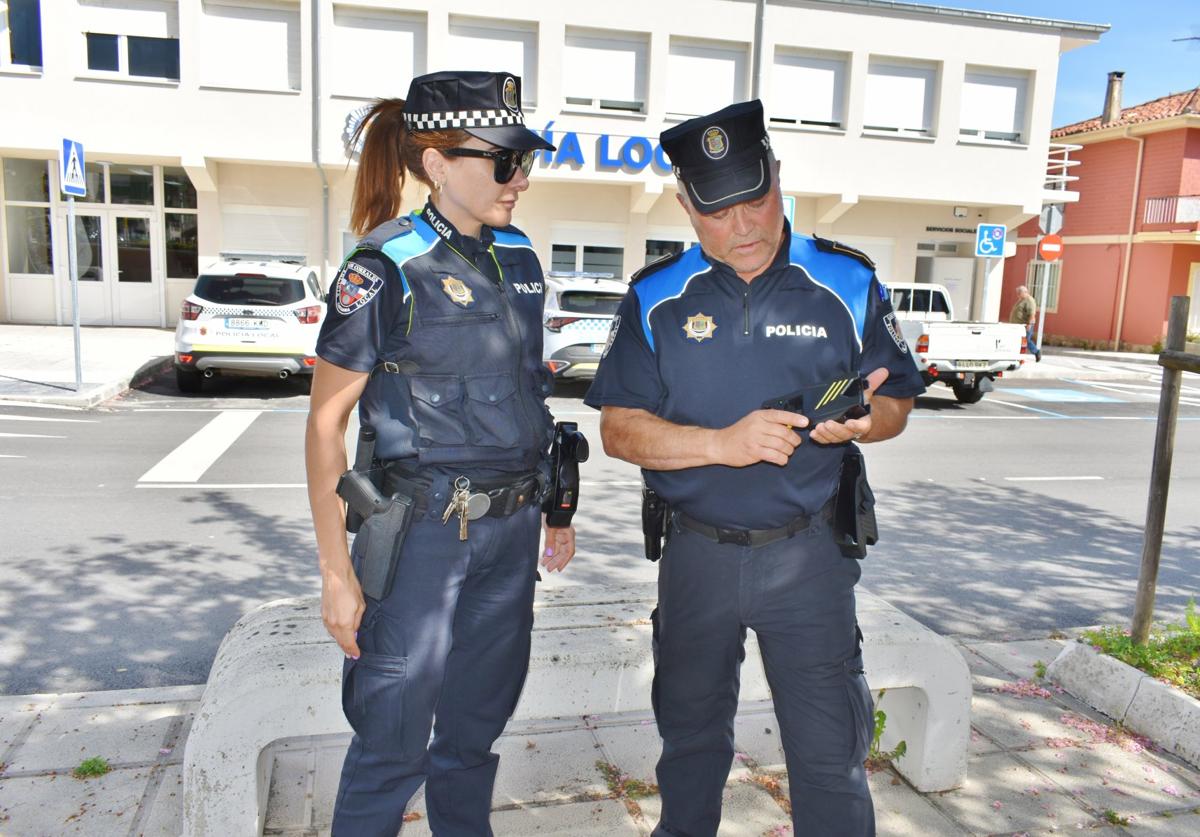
[
  {"x": 655, "y": 517},
  {"x": 854, "y": 526}
]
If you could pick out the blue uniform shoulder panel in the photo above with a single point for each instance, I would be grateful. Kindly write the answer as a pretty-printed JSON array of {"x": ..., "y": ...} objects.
[
  {"x": 844, "y": 272},
  {"x": 510, "y": 236},
  {"x": 656, "y": 284}
]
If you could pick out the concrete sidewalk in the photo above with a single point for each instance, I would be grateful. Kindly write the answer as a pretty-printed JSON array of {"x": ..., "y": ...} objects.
[
  {"x": 37, "y": 363},
  {"x": 1040, "y": 763}
]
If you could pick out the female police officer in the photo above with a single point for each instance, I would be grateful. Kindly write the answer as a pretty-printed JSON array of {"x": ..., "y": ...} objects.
[{"x": 434, "y": 329}]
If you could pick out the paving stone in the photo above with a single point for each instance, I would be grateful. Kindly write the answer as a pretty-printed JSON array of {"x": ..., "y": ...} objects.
[
  {"x": 902, "y": 812},
  {"x": 746, "y": 811},
  {"x": 980, "y": 743},
  {"x": 291, "y": 775},
  {"x": 328, "y": 773},
  {"x": 62, "y": 805},
  {"x": 1107, "y": 776},
  {"x": 63, "y": 738},
  {"x": 593, "y": 818},
  {"x": 1013, "y": 721},
  {"x": 165, "y": 816},
  {"x": 1020, "y": 657},
  {"x": 993, "y": 800},
  {"x": 11, "y": 727},
  {"x": 559, "y": 766},
  {"x": 634, "y": 748},
  {"x": 1164, "y": 825},
  {"x": 756, "y": 733}
]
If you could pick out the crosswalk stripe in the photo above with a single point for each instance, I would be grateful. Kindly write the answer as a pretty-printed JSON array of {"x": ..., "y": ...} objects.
[
  {"x": 45, "y": 418},
  {"x": 28, "y": 436},
  {"x": 189, "y": 461}
]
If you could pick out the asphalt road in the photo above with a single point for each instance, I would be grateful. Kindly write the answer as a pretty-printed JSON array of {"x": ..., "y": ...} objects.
[{"x": 135, "y": 534}]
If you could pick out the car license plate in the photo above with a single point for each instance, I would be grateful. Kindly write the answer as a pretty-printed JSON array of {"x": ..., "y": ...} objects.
[
  {"x": 597, "y": 348},
  {"x": 971, "y": 364},
  {"x": 248, "y": 323}
]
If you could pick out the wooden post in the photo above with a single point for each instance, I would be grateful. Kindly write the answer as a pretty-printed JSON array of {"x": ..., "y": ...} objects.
[{"x": 1160, "y": 474}]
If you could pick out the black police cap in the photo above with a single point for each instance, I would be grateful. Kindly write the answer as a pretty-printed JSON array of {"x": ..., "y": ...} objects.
[
  {"x": 722, "y": 158},
  {"x": 485, "y": 105}
]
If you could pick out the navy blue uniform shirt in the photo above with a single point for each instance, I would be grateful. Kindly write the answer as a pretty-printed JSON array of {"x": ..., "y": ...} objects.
[
  {"x": 450, "y": 328},
  {"x": 696, "y": 345}
]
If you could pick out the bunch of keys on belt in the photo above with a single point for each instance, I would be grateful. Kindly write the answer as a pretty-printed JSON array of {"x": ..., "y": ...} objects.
[{"x": 466, "y": 505}]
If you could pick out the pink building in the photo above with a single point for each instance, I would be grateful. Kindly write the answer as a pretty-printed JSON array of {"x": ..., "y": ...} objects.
[{"x": 1133, "y": 239}]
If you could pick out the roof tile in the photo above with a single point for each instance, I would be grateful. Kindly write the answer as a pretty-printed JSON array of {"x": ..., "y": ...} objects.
[{"x": 1175, "y": 104}]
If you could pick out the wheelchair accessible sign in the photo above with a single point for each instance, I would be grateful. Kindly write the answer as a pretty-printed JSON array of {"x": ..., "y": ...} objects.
[{"x": 989, "y": 241}]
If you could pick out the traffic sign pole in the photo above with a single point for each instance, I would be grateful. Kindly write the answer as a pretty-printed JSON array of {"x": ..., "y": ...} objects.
[
  {"x": 1045, "y": 271},
  {"x": 73, "y": 266}
]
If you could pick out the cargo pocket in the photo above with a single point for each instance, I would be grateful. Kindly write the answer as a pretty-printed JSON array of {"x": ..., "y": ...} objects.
[
  {"x": 373, "y": 700},
  {"x": 491, "y": 410},
  {"x": 437, "y": 408},
  {"x": 862, "y": 709}
]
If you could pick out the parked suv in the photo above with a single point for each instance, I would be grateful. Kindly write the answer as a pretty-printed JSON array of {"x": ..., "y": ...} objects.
[
  {"x": 249, "y": 317},
  {"x": 578, "y": 315}
]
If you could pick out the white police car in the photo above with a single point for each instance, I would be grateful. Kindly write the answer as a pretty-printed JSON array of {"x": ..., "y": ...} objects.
[
  {"x": 249, "y": 317},
  {"x": 578, "y": 315}
]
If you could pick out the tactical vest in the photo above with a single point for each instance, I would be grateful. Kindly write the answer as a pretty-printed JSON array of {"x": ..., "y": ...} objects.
[{"x": 460, "y": 380}]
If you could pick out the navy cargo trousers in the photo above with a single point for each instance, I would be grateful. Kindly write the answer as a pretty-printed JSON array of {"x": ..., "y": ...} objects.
[
  {"x": 448, "y": 649},
  {"x": 797, "y": 595}
]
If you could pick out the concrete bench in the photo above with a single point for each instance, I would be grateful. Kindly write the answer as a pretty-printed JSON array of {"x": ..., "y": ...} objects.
[{"x": 277, "y": 675}]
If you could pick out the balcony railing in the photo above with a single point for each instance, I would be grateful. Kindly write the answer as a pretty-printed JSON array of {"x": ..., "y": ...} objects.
[
  {"x": 1059, "y": 160},
  {"x": 1174, "y": 209}
]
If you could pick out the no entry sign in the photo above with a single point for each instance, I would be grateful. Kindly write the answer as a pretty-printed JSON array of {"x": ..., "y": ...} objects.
[{"x": 1050, "y": 247}]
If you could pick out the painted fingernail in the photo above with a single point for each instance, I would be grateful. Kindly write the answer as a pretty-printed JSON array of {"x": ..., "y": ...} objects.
[{"x": 549, "y": 552}]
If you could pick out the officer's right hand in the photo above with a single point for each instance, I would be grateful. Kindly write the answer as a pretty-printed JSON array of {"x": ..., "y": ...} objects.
[
  {"x": 342, "y": 607},
  {"x": 761, "y": 436}
]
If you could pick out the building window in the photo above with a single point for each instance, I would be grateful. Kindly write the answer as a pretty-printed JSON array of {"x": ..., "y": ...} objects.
[
  {"x": 134, "y": 38},
  {"x": 605, "y": 70},
  {"x": 181, "y": 221},
  {"x": 658, "y": 248},
  {"x": 388, "y": 49},
  {"x": 808, "y": 88},
  {"x": 993, "y": 105},
  {"x": 481, "y": 44},
  {"x": 900, "y": 97},
  {"x": 27, "y": 216},
  {"x": 1037, "y": 272},
  {"x": 21, "y": 26},
  {"x": 566, "y": 258},
  {"x": 261, "y": 43},
  {"x": 131, "y": 185},
  {"x": 702, "y": 72}
]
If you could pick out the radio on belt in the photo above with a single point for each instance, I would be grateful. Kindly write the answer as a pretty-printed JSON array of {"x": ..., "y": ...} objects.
[{"x": 569, "y": 449}]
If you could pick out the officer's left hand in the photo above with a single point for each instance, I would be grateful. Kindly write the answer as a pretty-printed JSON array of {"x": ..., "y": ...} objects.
[
  {"x": 560, "y": 546},
  {"x": 836, "y": 432}
]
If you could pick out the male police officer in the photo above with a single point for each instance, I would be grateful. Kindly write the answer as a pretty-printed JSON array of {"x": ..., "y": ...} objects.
[{"x": 701, "y": 341}]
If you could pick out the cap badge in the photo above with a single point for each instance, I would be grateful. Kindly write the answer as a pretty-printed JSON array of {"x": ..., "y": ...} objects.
[
  {"x": 715, "y": 143},
  {"x": 509, "y": 94},
  {"x": 458, "y": 292},
  {"x": 699, "y": 328}
]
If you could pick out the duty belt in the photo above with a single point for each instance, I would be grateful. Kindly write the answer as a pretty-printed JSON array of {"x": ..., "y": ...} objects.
[
  {"x": 753, "y": 537},
  {"x": 505, "y": 498}
]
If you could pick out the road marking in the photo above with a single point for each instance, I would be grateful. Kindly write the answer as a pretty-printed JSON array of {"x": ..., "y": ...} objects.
[
  {"x": 202, "y": 486},
  {"x": 1051, "y": 479},
  {"x": 28, "y": 436},
  {"x": 1062, "y": 395},
  {"x": 189, "y": 461},
  {"x": 1027, "y": 407},
  {"x": 6, "y": 417},
  {"x": 10, "y": 456},
  {"x": 4, "y": 402}
]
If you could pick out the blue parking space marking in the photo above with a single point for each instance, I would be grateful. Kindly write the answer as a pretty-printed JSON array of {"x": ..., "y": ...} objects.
[{"x": 1064, "y": 395}]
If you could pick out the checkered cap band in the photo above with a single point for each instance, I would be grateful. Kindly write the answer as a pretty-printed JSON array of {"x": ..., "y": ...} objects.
[{"x": 462, "y": 119}]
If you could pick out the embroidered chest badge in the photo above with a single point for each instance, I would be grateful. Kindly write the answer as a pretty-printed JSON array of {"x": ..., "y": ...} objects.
[
  {"x": 355, "y": 287},
  {"x": 699, "y": 328},
  {"x": 458, "y": 291}
]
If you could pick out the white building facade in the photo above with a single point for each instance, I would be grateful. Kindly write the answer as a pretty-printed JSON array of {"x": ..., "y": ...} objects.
[{"x": 219, "y": 126}]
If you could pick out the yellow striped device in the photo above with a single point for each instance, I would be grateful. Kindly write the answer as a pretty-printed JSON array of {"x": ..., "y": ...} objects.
[{"x": 839, "y": 400}]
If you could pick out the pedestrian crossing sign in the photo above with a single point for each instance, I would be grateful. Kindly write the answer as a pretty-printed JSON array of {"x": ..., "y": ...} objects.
[{"x": 70, "y": 169}]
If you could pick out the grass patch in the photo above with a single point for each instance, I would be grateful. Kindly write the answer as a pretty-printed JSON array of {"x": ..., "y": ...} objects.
[
  {"x": 1171, "y": 654},
  {"x": 95, "y": 766},
  {"x": 1115, "y": 818},
  {"x": 622, "y": 784},
  {"x": 1039, "y": 670},
  {"x": 878, "y": 759}
]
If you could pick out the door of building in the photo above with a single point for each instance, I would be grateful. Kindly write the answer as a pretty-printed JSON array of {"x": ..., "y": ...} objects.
[{"x": 120, "y": 280}]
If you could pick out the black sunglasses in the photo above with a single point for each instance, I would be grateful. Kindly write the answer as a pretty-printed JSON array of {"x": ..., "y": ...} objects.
[{"x": 506, "y": 160}]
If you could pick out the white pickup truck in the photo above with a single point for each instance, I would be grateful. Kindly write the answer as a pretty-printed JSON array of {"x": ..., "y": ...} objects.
[{"x": 964, "y": 356}]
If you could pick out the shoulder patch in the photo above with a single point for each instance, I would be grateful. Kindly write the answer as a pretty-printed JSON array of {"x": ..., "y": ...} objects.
[
  {"x": 830, "y": 246},
  {"x": 883, "y": 291},
  {"x": 355, "y": 287},
  {"x": 655, "y": 266}
]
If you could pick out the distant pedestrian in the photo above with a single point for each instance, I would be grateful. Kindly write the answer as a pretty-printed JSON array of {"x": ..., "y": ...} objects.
[{"x": 1025, "y": 313}]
